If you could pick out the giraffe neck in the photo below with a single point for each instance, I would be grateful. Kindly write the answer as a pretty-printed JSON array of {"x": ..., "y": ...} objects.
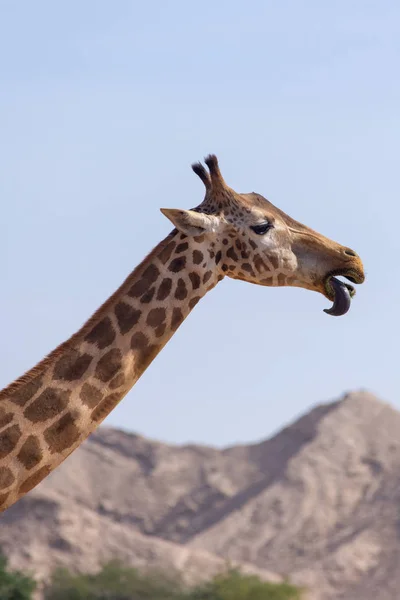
[{"x": 49, "y": 411}]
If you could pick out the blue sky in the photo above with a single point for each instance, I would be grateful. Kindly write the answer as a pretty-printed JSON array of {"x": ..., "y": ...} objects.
[{"x": 104, "y": 105}]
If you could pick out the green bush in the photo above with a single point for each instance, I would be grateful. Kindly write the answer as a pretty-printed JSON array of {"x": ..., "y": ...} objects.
[
  {"x": 236, "y": 586},
  {"x": 112, "y": 582},
  {"x": 14, "y": 585},
  {"x": 116, "y": 582}
]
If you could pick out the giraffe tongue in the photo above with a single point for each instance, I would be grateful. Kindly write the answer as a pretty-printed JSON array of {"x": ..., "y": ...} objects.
[{"x": 342, "y": 301}]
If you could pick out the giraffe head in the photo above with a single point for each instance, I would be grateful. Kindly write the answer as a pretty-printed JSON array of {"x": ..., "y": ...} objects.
[{"x": 253, "y": 240}]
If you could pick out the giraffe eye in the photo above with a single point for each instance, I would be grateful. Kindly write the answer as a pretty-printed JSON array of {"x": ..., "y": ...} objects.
[{"x": 262, "y": 228}]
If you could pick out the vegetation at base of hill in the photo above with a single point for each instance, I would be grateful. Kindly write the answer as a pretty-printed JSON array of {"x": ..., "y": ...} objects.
[
  {"x": 118, "y": 582},
  {"x": 15, "y": 585},
  {"x": 113, "y": 582},
  {"x": 234, "y": 585}
]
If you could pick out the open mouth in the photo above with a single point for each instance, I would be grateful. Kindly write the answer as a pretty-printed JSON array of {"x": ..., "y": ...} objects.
[{"x": 340, "y": 292}]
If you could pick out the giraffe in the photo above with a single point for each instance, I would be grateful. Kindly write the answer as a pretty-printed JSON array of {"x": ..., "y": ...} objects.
[{"x": 50, "y": 410}]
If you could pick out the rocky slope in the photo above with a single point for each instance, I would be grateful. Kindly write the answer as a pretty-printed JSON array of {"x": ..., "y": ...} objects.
[{"x": 318, "y": 501}]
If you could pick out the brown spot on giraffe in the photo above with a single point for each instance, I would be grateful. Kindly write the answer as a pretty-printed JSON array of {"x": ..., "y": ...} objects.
[
  {"x": 9, "y": 438},
  {"x": 72, "y": 365},
  {"x": 148, "y": 296},
  {"x": 165, "y": 254},
  {"x": 207, "y": 276},
  {"x": 34, "y": 479},
  {"x": 106, "y": 406},
  {"x": 197, "y": 257},
  {"x": 232, "y": 254},
  {"x": 177, "y": 264},
  {"x": 194, "y": 301},
  {"x": 90, "y": 395},
  {"x": 146, "y": 356},
  {"x": 139, "y": 341},
  {"x": 31, "y": 453},
  {"x": 27, "y": 390},
  {"x": 47, "y": 405},
  {"x": 62, "y": 434},
  {"x": 156, "y": 317},
  {"x": 160, "y": 330},
  {"x": 127, "y": 316},
  {"x": 3, "y": 499},
  {"x": 274, "y": 261},
  {"x": 5, "y": 417},
  {"x": 109, "y": 365},
  {"x": 117, "y": 381},
  {"x": 102, "y": 334},
  {"x": 195, "y": 279},
  {"x": 165, "y": 289},
  {"x": 181, "y": 247},
  {"x": 181, "y": 291},
  {"x": 138, "y": 288},
  {"x": 259, "y": 264},
  {"x": 6, "y": 477},
  {"x": 247, "y": 267},
  {"x": 177, "y": 318},
  {"x": 149, "y": 276},
  {"x": 199, "y": 239}
]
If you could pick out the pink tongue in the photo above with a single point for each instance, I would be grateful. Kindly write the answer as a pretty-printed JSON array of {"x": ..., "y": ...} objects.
[{"x": 342, "y": 301}]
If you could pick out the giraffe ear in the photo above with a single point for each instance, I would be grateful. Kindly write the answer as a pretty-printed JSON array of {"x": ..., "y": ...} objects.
[{"x": 191, "y": 222}]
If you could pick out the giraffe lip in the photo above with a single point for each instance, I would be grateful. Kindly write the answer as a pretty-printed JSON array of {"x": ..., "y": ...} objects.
[{"x": 352, "y": 275}]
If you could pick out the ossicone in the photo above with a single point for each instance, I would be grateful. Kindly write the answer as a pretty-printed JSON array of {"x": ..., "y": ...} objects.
[
  {"x": 202, "y": 173},
  {"x": 212, "y": 180}
]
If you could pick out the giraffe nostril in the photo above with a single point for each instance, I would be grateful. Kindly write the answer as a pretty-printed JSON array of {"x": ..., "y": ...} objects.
[{"x": 350, "y": 252}]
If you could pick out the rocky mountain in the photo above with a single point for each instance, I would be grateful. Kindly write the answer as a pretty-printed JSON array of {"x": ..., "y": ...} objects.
[{"x": 318, "y": 502}]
